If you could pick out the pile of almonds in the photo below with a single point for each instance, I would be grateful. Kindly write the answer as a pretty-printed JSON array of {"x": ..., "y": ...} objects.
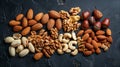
[{"x": 31, "y": 36}]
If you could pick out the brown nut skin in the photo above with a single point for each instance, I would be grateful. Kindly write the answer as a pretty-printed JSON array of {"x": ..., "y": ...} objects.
[
  {"x": 45, "y": 19},
  {"x": 85, "y": 24},
  {"x": 24, "y": 22},
  {"x": 54, "y": 14},
  {"x": 17, "y": 28},
  {"x": 50, "y": 24},
  {"x": 58, "y": 24},
  {"x": 85, "y": 15},
  {"x": 38, "y": 56},
  {"x": 92, "y": 20},
  {"x": 89, "y": 40},
  {"x": 37, "y": 26},
  {"x": 30, "y": 14},
  {"x": 14, "y": 23},
  {"x": 97, "y": 14},
  {"x": 85, "y": 36},
  {"x": 97, "y": 26},
  {"x": 105, "y": 23},
  {"x": 87, "y": 53},
  {"x": 80, "y": 33},
  {"x": 98, "y": 51},
  {"x": 95, "y": 44},
  {"x": 38, "y": 16},
  {"x": 32, "y": 22},
  {"x": 109, "y": 39},
  {"x": 25, "y": 31},
  {"x": 100, "y": 32},
  {"x": 19, "y": 17},
  {"x": 88, "y": 46}
]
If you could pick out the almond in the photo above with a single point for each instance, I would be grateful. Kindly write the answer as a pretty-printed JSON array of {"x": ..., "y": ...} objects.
[
  {"x": 14, "y": 23},
  {"x": 19, "y": 17},
  {"x": 30, "y": 14},
  {"x": 25, "y": 22},
  {"x": 92, "y": 34},
  {"x": 95, "y": 38},
  {"x": 100, "y": 32},
  {"x": 37, "y": 26},
  {"x": 108, "y": 31},
  {"x": 58, "y": 24},
  {"x": 32, "y": 22},
  {"x": 80, "y": 33},
  {"x": 89, "y": 46},
  {"x": 38, "y": 56},
  {"x": 38, "y": 16},
  {"x": 109, "y": 38},
  {"x": 17, "y": 28},
  {"x": 54, "y": 14},
  {"x": 98, "y": 51},
  {"x": 101, "y": 37},
  {"x": 89, "y": 40},
  {"x": 87, "y": 53},
  {"x": 95, "y": 44},
  {"x": 50, "y": 24},
  {"x": 88, "y": 31},
  {"x": 45, "y": 18},
  {"x": 85, "y": 36},
  {"x": 25, "y": 31}
]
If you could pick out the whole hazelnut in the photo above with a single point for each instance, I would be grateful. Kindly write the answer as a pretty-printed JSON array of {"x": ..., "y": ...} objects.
[
  {"x": 97, "y": 14},
  {"x": 85, "y": 24},
  {"x": 97, "y": 26},
  {"x": 105, "y": 23},
  {"x": 85, "y": 15}
]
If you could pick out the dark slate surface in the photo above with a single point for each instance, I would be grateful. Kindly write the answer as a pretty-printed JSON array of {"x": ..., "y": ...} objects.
[{"x": 110, "y": 8}]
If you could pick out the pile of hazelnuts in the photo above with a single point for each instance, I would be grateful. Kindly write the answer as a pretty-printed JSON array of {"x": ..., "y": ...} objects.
[{"x": 93, "y": 20}]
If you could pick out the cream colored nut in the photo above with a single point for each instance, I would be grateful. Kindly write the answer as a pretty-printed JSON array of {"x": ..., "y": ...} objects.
[
  {"x": 104, "y": 47},
  {"x": 65, "y": 40},
  {"x": 74, "y": 35},
  {"x": 24, "y": 41},
  {"x": 75, "y": 10},
  {"x": 60, "y": 37},
  {"x": 19, "y": 48},
  {"x": 60, "y": 51},
  {"x": 17, "y": 36},
  {"x": 65, "y": 47},
  {"x": 75, "y": 52},
  {"x": 75, "y": 18},
  {"x": 11, "y": 51},
  {"x": 68, "y": 51},
  {"x": 16, "y": 43},
  {"x": 9, "y": 39},
  {"x": 71, "y": 45},
  {"x": 67, "y": 35},
  {"x": 31, "y": 47},
  {"x": 24, "y": 52}
]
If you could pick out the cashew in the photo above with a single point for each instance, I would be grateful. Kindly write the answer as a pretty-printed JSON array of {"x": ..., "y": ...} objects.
[
  {"x": 16, "y": 43},
  {"x": 104, "y": 47},
  {"x": 67, "y": 35},
  {"x": 75, "y": 52},
  {"x": 65, "y": 47},
  {"x": 65, "y": 40},
  {"x": 74, "y": 35},
  {"x": 60, "y": 51},
  {"x": 9, "y": 39},
  {"x": 24, "y": 41},
  {"x": 71, "y": 43},
  {"x": 60, "y": 37},
  {"x": 68, "y": 51}
]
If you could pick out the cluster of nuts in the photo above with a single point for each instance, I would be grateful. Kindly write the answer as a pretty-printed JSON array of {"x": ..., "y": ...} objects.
[
  {"x": 92, "y": 36},
  {"x": 70, "y": 20},
  {"x": 19, "y": 45},
  {"x": 69, "y": 43}
]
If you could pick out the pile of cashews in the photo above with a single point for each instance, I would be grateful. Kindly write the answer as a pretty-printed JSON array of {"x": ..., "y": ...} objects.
[{"x": 69, "y": 43}]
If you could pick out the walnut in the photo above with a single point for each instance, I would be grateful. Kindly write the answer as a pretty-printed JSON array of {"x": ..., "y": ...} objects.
[
  {"x": 75, "y": 10},
  {"x": 64, "y": 14},
  {"x": 54, "y": 33},
  {"x": 75, "y": 18}
]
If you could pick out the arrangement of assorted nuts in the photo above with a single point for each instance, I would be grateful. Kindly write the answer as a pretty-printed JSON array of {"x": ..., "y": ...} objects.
[{"x": 40, "y": 35}]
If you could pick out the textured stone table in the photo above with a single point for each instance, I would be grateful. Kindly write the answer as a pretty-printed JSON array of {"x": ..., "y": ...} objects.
[{"x": 110, "y": 8}]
